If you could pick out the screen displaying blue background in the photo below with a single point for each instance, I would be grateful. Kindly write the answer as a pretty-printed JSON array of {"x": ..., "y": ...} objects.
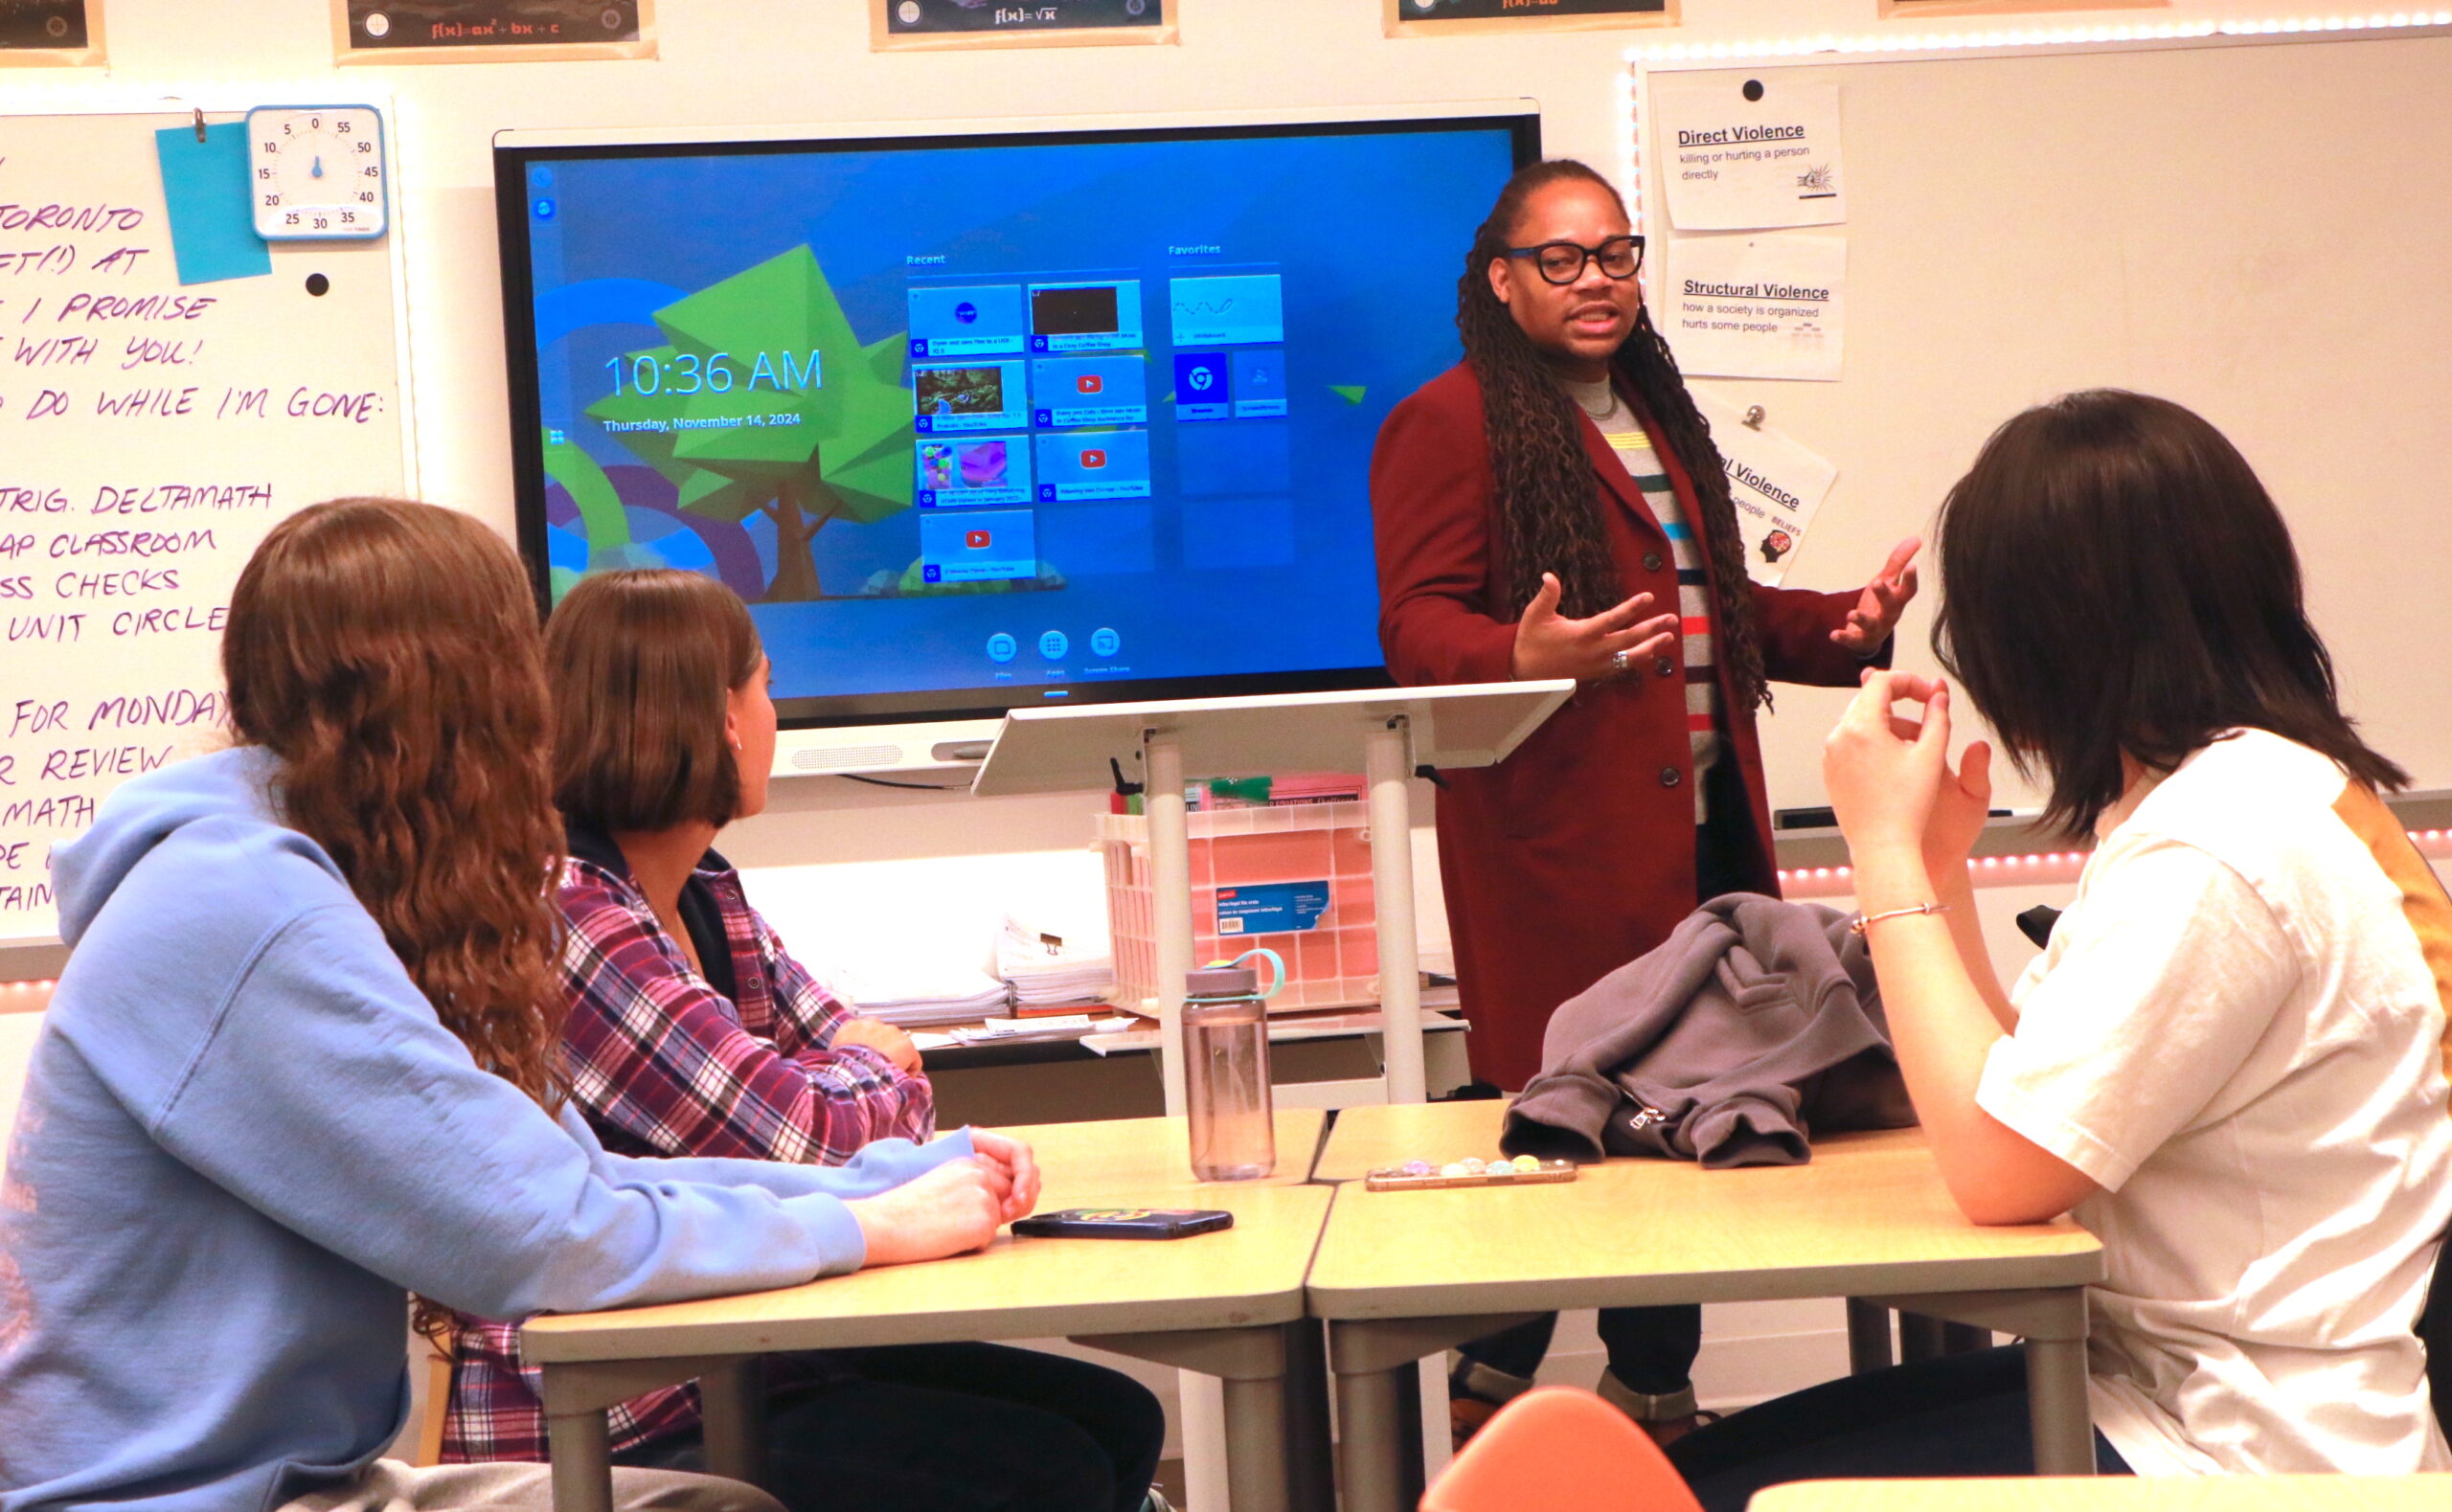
[{"x": 1252, "y": 552}]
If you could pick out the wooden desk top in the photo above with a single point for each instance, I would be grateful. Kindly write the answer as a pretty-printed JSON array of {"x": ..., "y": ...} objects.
[
  {"x": 1391, "y": 1134},
  {"x": 1868, "y": 1217},
  {"x": 1091, "y": 1163},
  {"x": 2115, "y": 1494},
  {"x": 1248, "y": 1275}
]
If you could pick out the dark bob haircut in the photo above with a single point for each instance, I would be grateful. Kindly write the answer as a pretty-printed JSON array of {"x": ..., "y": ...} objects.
[
  {"x": 639, "y": 664},
  {"x": 2116, "y": 579}
]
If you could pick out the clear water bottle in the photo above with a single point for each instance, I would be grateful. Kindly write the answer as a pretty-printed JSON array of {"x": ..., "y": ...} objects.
[{"x": 1234, "y": 1137}]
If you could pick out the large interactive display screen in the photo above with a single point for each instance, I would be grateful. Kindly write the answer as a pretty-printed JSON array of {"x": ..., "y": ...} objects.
[{"x": 983, "y": 422}]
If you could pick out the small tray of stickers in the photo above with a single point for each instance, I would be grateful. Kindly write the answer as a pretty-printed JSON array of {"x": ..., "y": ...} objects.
[{"x": 1524, "y": 1170}]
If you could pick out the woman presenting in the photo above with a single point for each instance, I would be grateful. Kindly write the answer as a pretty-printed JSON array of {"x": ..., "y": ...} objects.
[{"x": 1534, "y": 506}]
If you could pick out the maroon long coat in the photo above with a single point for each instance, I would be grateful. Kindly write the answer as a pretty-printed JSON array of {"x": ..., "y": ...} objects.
[{"x": 1577, "y": 853}]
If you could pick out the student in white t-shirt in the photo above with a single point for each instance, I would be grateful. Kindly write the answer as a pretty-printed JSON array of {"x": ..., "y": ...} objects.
[{"x": 2229, "y": 1064}]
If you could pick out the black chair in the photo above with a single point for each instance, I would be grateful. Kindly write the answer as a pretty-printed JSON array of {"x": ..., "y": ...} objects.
[{"x": 2434, "y": 1331}]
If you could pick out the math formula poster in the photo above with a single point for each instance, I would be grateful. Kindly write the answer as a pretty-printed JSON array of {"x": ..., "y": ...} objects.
[
  {"x": 1018, "y": 23},
  {"x": 491, "y": 31}
]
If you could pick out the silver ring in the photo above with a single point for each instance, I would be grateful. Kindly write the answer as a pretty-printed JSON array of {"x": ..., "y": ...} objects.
[{"x": 1620, "y": 661}]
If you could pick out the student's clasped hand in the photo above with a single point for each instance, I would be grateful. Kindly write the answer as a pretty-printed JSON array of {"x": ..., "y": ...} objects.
[
  {"x": 1019, "y": 1167},
  {"x": 883, "y": 1038},
  {"x": 1889, "y": 780}
]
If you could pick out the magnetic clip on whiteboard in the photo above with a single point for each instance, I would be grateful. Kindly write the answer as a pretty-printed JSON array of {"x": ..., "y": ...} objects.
[{"x": 196, "y": 110}]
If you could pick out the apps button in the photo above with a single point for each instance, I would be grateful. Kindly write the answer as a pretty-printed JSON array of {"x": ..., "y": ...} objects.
[
  {"x": 1003, "y": 648},
  {"x": 1053, "y": 645},
  {"x": 1105, "y": 642}
]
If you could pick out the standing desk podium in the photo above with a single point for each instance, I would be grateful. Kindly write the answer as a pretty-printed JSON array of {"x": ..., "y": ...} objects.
[{"x": 1395, "y": 732}]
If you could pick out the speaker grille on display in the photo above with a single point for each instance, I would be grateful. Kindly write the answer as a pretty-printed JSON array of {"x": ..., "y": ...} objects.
[{"x": 834, "y": 758}]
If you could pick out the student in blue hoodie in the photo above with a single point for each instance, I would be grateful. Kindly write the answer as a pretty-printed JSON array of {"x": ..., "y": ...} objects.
[{"x": 297, "y": 1070}]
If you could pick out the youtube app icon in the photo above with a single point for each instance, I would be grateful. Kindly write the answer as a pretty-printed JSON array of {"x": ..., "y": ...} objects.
[
  {"x": 1103, "y": 464},
  {"x": 976, "y": 540},
  {"x": 1090, "y": 383}
]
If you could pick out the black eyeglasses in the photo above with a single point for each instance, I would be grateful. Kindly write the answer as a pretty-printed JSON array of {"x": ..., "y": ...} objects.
[{"x": 1563, "y": 261}]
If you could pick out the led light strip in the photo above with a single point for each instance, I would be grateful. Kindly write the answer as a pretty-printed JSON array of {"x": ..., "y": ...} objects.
[{"x": 2434, "y": 842}]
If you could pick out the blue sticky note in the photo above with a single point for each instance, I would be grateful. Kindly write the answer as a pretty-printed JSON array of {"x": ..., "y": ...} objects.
[{"x": 212, "y": 233}]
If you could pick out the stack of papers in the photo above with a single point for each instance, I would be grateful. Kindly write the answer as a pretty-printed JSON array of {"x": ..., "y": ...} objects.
[
  {"x": 911, "y": 997},
  {"x": 1065, "y": 1026},
  {"x": 1049, "y": 963}
]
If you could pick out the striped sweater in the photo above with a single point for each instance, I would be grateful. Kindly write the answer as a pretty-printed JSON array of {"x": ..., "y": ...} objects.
[{"x": 1634, "y": 448}]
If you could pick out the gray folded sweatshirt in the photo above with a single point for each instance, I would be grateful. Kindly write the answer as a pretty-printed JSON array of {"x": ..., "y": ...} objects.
[{"x": 1756, "y": 1023}]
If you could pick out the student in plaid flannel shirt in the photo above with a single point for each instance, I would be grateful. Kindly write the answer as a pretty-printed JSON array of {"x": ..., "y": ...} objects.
[{"x": 692, "y": 1031}]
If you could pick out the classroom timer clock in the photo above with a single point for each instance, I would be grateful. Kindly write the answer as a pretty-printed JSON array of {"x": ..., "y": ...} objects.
[{"x": 319, "y": 173}]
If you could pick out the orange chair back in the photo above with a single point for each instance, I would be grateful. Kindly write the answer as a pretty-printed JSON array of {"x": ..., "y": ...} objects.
[{"x": 1557, "y": 1449}]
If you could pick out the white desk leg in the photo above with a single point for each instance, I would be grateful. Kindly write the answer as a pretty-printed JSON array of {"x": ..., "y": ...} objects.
[
  {"x": 1387, "y": 754},
  {"x": 1202, "y": 1397},
  {"x": 1438, "y": 1434},
  {"x": 1170, "y": 901},
  {"x": 1202, "y": 1401}
]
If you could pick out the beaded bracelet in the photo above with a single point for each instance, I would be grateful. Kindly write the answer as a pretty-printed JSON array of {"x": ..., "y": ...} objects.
[{"x": 1866, "y": 921}]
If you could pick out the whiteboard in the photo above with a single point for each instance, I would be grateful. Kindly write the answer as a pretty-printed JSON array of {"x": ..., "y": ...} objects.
[
  {"x": 2262, "y": 232},
  {"x": 143, "y": 456}
]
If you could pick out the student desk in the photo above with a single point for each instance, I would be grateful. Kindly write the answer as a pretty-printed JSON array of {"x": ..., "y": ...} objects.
[
  {"x": 2115, "y": 1494},
  {"x": 1399, "y": 1274},
  {"x": 1099, "y": 1162},
  {"x": 1217, "y": 1304}
]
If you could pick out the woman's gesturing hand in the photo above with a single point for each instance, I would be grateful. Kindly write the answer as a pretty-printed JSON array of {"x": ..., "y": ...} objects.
[
  {"x": 1548, "y": 645},
  {"x": 1883, "y": 601}
]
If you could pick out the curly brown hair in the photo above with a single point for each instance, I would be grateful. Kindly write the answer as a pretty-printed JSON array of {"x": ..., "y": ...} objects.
[
  {"x": 1547, "y": 517},
  {"x": 388, "y": 653}
]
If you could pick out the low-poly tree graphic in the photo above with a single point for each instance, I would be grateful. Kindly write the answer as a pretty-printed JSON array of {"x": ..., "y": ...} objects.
[{"x": 775, "y": 408}]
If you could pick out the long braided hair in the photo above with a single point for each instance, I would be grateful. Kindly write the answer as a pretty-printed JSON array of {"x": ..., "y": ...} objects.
[{"x": 1548, "y": 520}]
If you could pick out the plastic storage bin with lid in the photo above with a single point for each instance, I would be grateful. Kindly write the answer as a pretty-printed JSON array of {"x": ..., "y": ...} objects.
[{"x": 1295, "y": 878}]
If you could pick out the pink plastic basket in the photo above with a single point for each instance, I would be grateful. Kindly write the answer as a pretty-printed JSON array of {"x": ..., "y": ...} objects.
[{"x": 1332, "y": 962}]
